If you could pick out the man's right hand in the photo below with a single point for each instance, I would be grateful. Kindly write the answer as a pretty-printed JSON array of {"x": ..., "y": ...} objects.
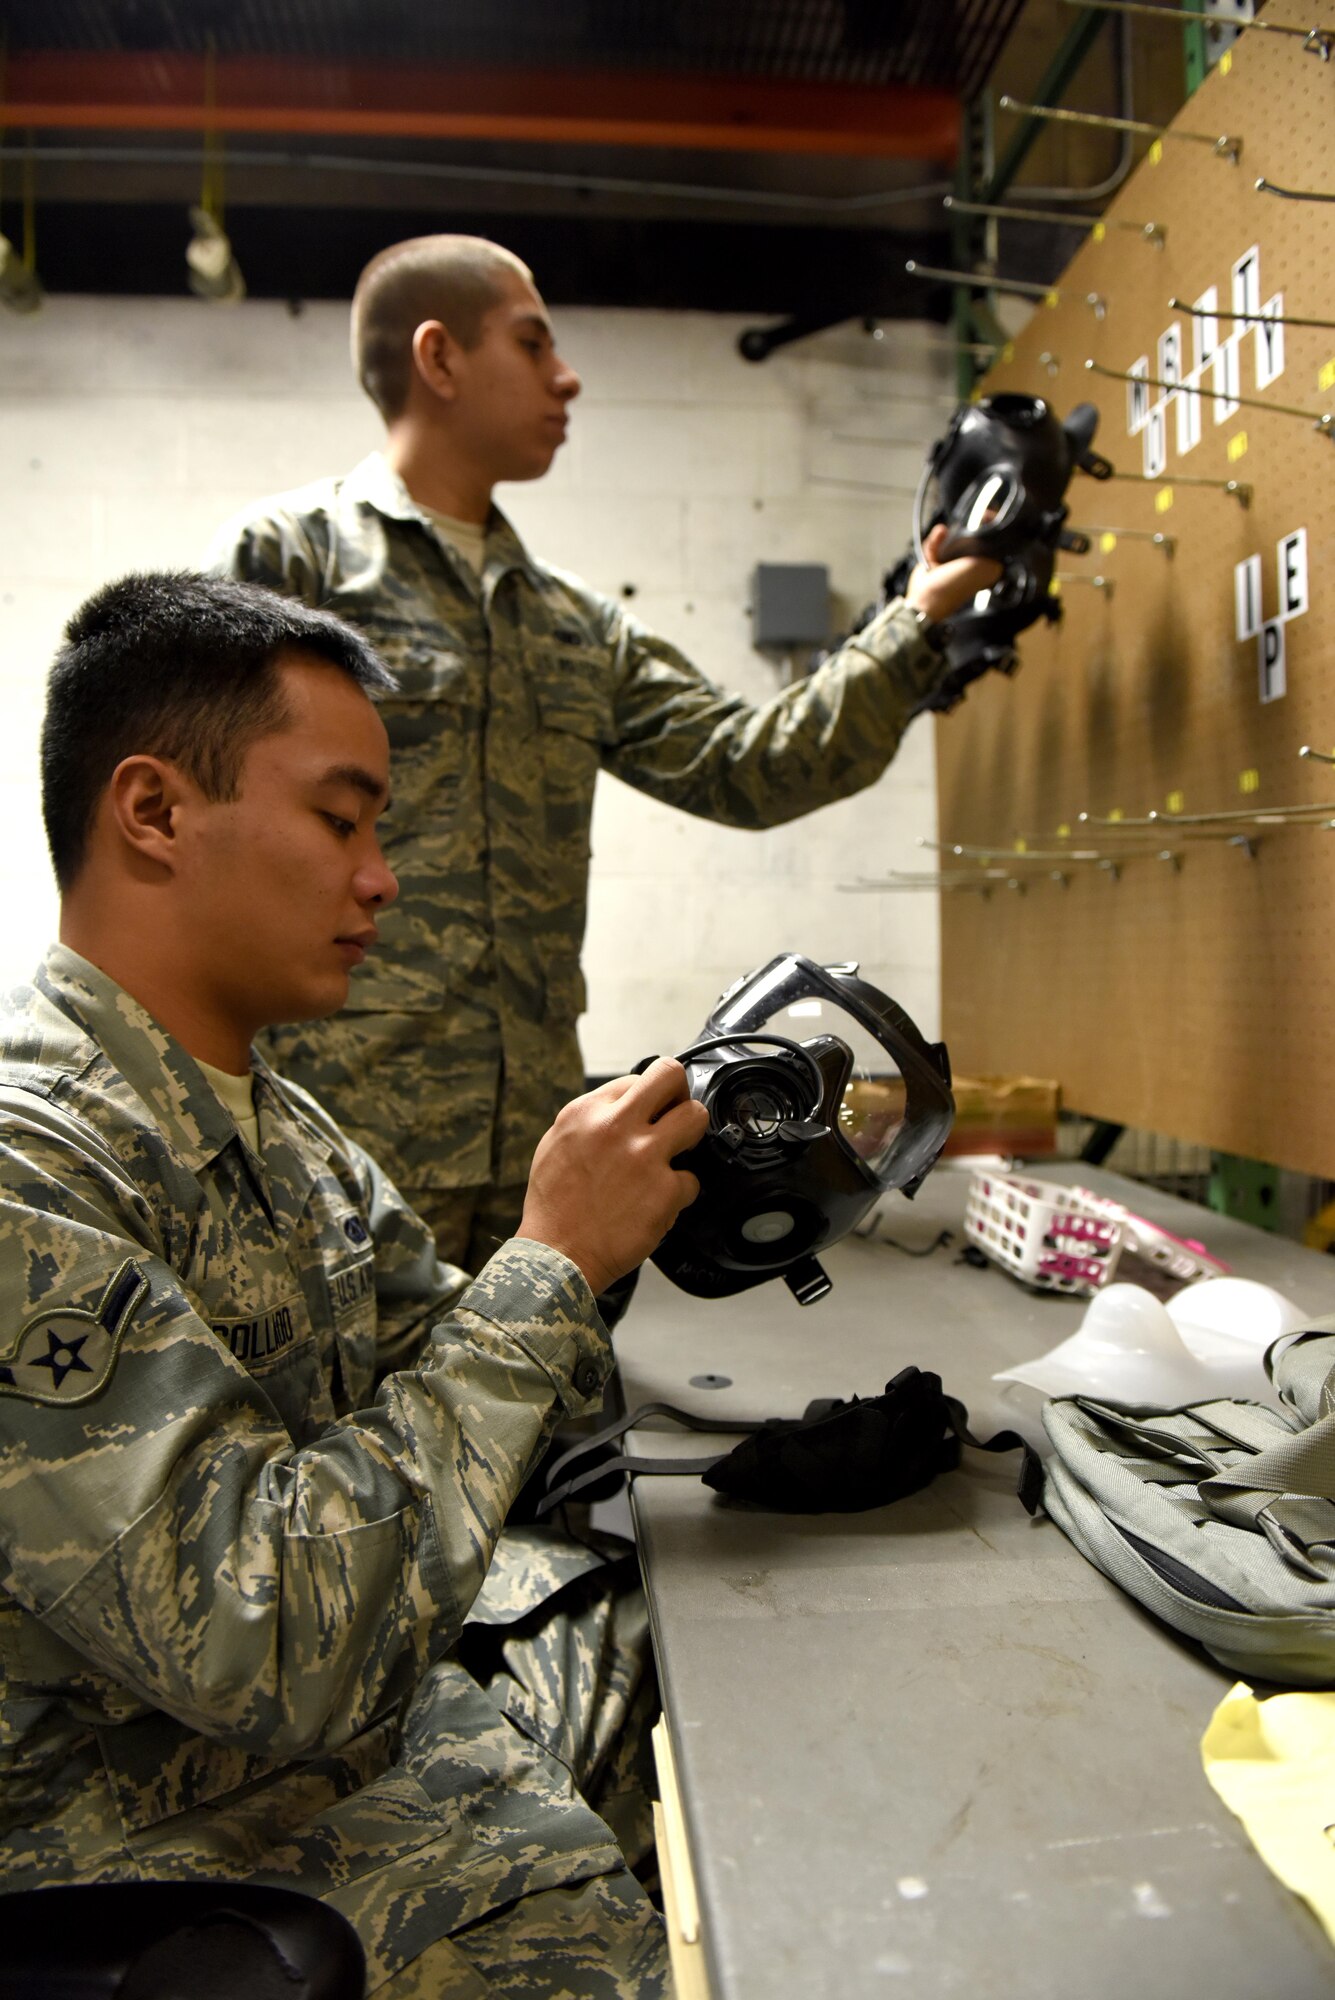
[
  {"x": 602, "y": 1188},
  {"x": 939, "y": 587}
]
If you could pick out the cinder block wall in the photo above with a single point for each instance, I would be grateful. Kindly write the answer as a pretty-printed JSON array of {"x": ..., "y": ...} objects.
[{"x": 130, "y": 428}]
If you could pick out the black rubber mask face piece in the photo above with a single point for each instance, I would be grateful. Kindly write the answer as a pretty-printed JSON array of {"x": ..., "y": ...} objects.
[
  {"x": 998, "y": 477},
  {"x": 822, "y": 1095},
  {"x": 997, "y": 481}
]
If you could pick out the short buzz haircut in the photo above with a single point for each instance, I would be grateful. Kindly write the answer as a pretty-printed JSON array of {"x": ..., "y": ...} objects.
[
  {"x": 174, "y": 665},
  {"x": 455, "y": 279}
]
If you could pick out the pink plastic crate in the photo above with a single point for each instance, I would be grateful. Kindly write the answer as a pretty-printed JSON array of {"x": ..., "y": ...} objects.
[{"x": 1060, "y": 1239}]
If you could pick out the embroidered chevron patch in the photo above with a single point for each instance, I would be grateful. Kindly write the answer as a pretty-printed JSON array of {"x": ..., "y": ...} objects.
[{"x": 65, "y": 1354}]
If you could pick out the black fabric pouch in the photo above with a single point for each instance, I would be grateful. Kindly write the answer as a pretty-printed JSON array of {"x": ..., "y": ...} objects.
[
  {"x": 167, "y": 1940},
  {"x": 839, "y": 1457}
]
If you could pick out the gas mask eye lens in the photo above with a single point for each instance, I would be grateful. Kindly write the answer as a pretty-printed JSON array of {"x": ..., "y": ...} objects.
[
  {"x": 984, "y": 514},
  {"x": 872, "y": 1114},
  {"x": 986, "y": 503}
]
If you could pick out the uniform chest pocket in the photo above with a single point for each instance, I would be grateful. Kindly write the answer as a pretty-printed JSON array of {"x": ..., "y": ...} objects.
[
  {"x": 426, "y": 668},
  {"x": 573, "y": 699},
  {"x": 434, "y": 727},
  {"x": 248, "y": 1292}
]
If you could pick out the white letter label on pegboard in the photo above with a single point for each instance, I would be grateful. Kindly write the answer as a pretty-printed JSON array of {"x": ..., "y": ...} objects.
[
  {"x": 1188, "y": 414},
  {"x": 1154, "y": 441},
  {"x": 1247, "y": 288},
  {"x": 1293, "y": 574},
  {"x": 1270, "y": 342},
  {"x": 1204, "y": 325},
  {"x": 1247, "y": 597},
  {"x": 1137, "y": 395},
  {"x": 1227, "y": 372},
  {"x": 1170, "y": 356},
  {"x": 1270, "y": 653}
]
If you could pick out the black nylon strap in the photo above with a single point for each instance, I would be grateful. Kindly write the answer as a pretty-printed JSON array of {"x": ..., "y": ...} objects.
[
  {"x": 1029, "y": 1485},
  {"x": 622, "y": 1463},
  {"x": 587, "y": 1449},
  {"x": 610, "y": 1432},
  {"x": 584, "y": 1468}
]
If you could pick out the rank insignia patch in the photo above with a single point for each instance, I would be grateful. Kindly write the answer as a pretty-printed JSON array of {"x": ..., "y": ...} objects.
[{"x": 66, "y": 1354}]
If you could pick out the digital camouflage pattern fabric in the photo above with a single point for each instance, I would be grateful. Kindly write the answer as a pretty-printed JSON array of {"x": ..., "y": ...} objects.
[
  {"x": 458, "y": 1046},
  {"x": 258, "y": 1616}
]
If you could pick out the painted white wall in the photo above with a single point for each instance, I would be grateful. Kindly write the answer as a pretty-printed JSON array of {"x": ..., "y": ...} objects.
[{"x": 129, "y": 428}]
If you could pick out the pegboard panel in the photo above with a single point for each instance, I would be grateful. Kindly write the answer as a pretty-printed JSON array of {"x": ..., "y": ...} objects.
[{"x": 1193, "y": 995}]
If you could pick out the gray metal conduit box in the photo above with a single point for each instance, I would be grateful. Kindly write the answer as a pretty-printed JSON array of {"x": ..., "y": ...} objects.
[{"x": 790, "y": 604}]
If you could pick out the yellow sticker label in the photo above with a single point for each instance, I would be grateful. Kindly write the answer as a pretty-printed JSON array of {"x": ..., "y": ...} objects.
[
  {"x": 1326, "y": 377},
  {"x": 1099, "y": 231},
  {"x": 1174, "y": 802},
  {"x": 1022, "y": 846},
  {"x": 1055, "y": 587},
  {"x": 1226, "y": 62},
  {"x": 1163, "y": 499},
  {"x": 1008, "y": 351},
  {"x": 1249, "y": 781},
  {"x": 1063, "y": 831},
  {"x": 1107, "y": 543},
  {"x": 1237, "y": 447},
  {"x": 1155, "y": 153},
  {"x": 1114, "y": 815},
  {"x": 1053, "y": 299}
]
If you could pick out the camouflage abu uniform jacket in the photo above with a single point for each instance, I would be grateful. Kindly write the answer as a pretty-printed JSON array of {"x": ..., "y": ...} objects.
[
  {"x": 231, "y": 1569},
  {"x": 460, "y": 1047}
]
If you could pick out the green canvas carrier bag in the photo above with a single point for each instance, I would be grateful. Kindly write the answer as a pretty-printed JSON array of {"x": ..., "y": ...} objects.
[{"x": 1218, "y": 1517}]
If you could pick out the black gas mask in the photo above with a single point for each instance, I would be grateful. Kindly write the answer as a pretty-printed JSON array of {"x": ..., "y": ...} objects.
[
  {"x": 998, "y": 481},
  {"x": 822, "y": 1095}
]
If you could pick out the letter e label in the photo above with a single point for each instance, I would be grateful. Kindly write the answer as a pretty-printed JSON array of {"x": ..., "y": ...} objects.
[{"x": 1293, "y": 574}]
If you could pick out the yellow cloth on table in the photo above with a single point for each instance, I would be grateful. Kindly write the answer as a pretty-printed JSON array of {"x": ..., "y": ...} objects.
[{"x": 1272, "y": 1762}]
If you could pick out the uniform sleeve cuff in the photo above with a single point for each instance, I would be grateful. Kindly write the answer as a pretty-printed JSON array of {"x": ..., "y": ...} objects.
[
  {"x": 898, "y": 640},
  {"x": 543, "y": 1302}
]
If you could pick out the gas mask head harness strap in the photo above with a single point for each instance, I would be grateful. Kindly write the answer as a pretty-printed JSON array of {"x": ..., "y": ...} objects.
[
  {"x": 804, "y": 1135},
  {"x": 997, "y": 481}
]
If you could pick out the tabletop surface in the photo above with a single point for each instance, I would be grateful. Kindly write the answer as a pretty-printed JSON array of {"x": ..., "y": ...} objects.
[{"x": 928, "y": 1749}]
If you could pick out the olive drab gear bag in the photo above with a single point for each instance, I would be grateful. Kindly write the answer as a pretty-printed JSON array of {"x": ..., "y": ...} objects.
[{"x": 1219, "y": 1517}]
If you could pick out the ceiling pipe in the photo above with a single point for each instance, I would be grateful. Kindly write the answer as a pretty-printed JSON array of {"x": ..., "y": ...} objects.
[
  {"x": 164, "y": 91},
  {"x": 368, "y": 166}
]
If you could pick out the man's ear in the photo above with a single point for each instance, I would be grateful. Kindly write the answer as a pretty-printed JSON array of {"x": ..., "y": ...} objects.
[
  {"x": 143, "y": 802},
  {"x": 435, "y": 355}
]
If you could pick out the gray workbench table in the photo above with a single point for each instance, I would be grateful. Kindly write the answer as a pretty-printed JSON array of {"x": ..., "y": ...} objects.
[{"x": 929, "y": 1750}]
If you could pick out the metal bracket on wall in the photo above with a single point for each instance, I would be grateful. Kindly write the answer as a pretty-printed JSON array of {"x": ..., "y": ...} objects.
[
  {"x": 982, "y": 180},
  {"x": 757, "y": 343}
]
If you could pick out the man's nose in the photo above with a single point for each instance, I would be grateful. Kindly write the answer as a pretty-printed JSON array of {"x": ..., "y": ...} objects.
[
  {"x": 568, "y": 384},
  {"x": 378, "y": 884}
]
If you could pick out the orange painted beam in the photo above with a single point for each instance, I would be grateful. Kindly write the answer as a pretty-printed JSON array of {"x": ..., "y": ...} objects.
[{"x": 166, "y": 93}]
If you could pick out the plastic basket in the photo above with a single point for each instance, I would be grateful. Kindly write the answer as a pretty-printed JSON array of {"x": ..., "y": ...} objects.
[
  {"x": 1181, "y": 1258},
  {"x": 1059, "y": 1239}
]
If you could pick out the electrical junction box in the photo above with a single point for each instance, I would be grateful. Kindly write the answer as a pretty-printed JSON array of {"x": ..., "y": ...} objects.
[{"x": 790, "y": 604}]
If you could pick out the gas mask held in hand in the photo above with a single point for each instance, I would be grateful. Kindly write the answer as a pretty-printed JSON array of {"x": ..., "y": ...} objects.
[
  {"x": 822, "y": 1095},
  {"x": 997, "y": 480}
]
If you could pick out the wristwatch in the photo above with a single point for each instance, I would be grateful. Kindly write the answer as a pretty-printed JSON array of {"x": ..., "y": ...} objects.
[{"x": 929, "y": 627}]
